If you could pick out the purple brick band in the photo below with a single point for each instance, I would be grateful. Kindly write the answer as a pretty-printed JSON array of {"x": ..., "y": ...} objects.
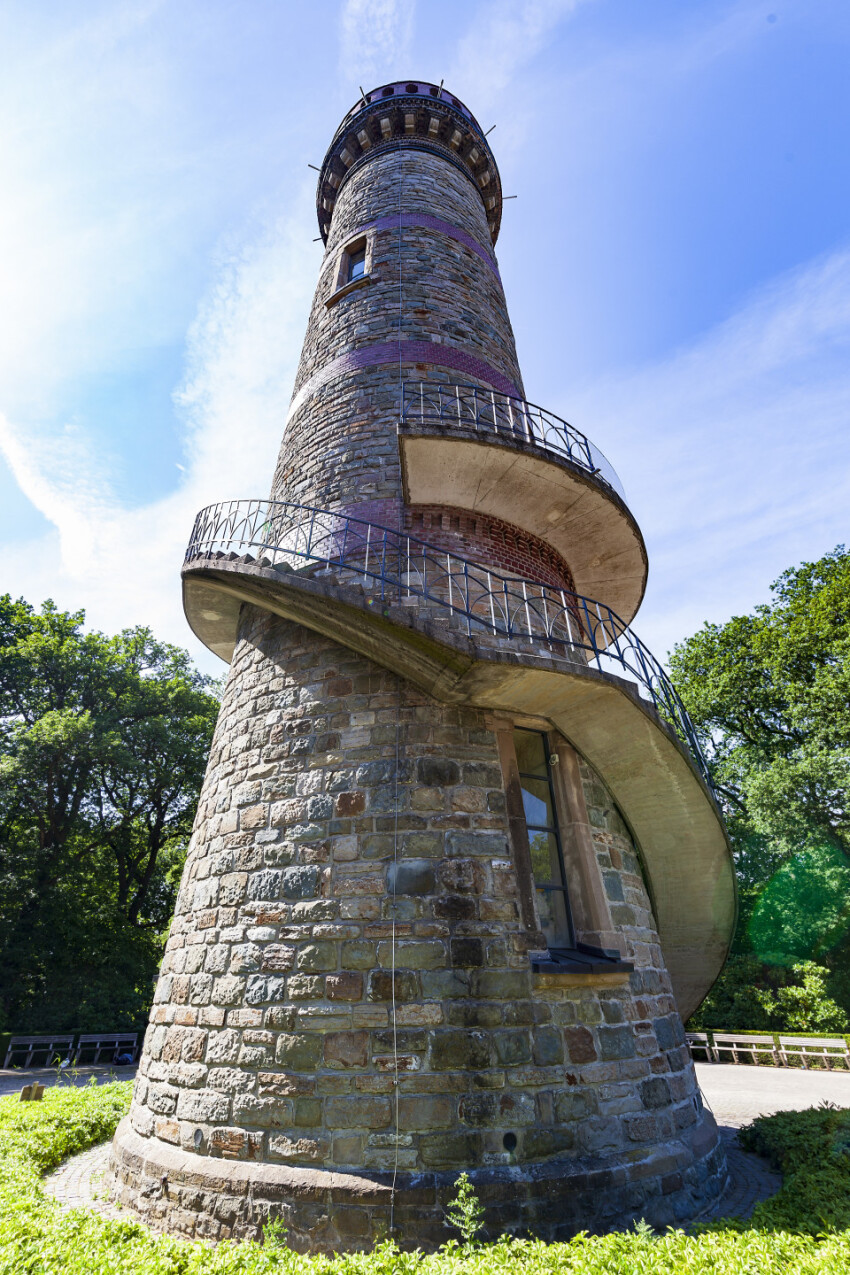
[
  {"x": 432, "y": 223},
  {"x": 408, "y": 352}
]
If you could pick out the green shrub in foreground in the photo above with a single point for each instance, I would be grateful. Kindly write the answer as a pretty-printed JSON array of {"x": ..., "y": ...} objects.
[
  {"x": 812, "y": 1151},
  {"x": 39, "y": 1238}
]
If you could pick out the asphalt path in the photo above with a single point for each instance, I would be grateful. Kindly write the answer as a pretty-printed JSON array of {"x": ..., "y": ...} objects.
[{"x": 737, "y": 1094}]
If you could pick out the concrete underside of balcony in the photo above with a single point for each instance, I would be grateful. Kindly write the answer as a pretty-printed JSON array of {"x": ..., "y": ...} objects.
[
  {"x": 578, "y": 514},
  {"x": 649, "y": 772}
]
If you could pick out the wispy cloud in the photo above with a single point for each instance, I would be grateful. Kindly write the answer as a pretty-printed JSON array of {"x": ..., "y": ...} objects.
[
  {"x": 242, "y": 352},
  {"x": 505, "y": 36},
  {"x": 375, "y": 40},
  {"x": 735, "y": 451}
]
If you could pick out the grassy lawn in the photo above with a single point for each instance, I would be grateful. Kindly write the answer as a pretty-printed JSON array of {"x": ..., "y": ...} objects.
[{"x": 805, "y": 1228}]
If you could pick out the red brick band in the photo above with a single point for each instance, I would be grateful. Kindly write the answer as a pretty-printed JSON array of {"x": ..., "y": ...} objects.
[{"x": 405, "y": 352}]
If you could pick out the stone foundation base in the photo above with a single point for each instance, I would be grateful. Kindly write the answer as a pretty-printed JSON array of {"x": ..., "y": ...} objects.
[{"x": 326, "y": 1211}]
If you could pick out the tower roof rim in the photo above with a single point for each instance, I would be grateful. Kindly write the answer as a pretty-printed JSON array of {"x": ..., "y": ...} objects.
[
  {"x": 463, "y": 144},
  {"x": 402, "y": 88}
]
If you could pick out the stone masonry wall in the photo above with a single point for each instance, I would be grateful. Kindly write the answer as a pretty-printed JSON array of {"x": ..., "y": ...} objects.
[
  {"x": 426, "y": 288},
  {"x": 271, "y": 1039}
]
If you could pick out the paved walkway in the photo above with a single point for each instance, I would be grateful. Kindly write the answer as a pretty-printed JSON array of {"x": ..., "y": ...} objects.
[
  {"x": 80, "y": 1183},
  {"x": 13, "y": 1079},
  {"x": 736, "y": 1095}
]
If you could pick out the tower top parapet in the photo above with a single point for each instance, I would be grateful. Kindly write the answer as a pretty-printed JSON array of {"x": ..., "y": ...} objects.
[{"x": 410, "y": 115}]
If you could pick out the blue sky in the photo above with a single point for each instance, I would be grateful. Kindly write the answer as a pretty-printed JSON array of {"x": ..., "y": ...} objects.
[{"x": 677, "y": 265}]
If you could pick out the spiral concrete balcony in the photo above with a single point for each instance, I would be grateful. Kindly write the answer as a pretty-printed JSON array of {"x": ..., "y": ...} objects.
[
  {"x": 464, "y": 634},
  {"x": 487, "y": 453}
]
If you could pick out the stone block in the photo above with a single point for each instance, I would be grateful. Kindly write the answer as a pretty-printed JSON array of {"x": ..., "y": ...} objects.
[
  {"x": 425, "y": 1111},
  {"x": 424, "y": 955},
  {"x": 278, "y": 958},
  {"x": 265, "y": 884},
  {"x": 668, "y": 1032},
  {"x": 346, "y": 1049},
  {"x": 348, "y": 1149},
  {"x": 461, "y": 876},
  {"x": 298, "y": 883},
  {"x": 575, "y": 1104},
  {"x": 298, "y": 1150},
  {"x": 357, "y": 1112},
  {"x": 307, "y": 1112},
  {"x": 358, "y": 954},
  {"x": 261, "y": 1113},
  {"x": 229, "y": 1143},
  {"x": 467, "y": 952},
  {"x": 298, "y": 1052},
  {"x": 318, "y": 956},
  {"x": 501, "y": 985},
  {"x": 411, "y": 876},
  {"x": 496, "y": 1110},
  {"x": 349, "y": 804},
  {"x": 655, "y": 1093},
  {"x": 450, "y": 1150},
  {"x": 461, "y": 1051},
  {"x": 616, "y": 1042},
  {"x": 204, "y": 1106},
  {"x": 542, "y": 1144},
  {"x": 437, "y": 772},
  {"x": 382, "y": 983},
  {"x": 513, "y": 1048},
  {"x": 580, "y": 1045},
  {"x": 344, "y": 987},
  {"x": 547, "y": 1046},
  {"x": 223, "y": 1046}
]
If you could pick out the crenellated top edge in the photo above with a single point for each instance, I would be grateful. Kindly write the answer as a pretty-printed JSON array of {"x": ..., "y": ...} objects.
[{"x": 410, "y": 115}]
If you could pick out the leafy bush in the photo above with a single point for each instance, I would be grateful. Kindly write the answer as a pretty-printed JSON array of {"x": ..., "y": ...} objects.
[
  {"x": 39, "y": 1238},
  {"x": 812, "y": 1150},
  {"x": 752, "y": 995}
]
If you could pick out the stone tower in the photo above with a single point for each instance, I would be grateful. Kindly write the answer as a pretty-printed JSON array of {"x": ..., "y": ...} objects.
[{"x": 457, "y": 873}]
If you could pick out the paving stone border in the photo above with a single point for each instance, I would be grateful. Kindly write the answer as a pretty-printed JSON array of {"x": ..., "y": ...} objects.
[{"x": 82, "y": 1183}]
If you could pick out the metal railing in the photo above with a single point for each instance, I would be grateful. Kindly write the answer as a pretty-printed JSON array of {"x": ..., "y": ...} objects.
[
  {"x": 396, "y": 567},
  {"x": 471, "y": 407}
]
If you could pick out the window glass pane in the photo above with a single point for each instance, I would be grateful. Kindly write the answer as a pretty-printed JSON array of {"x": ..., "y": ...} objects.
[
  {"x": 357, "y": 264},
  {"x": 552, "y": 909},
  {"x": 545, "y": 863},
  {"x": 530, "y": 752},
  {"x": 537, "y": 801}
]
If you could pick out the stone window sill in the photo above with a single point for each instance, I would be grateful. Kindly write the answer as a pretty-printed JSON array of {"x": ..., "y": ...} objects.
[
  {"x": 580, "y": 962},
  {"x": 351, "y": 286}
]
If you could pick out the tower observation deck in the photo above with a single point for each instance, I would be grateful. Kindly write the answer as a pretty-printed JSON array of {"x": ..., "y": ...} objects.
[{"x": 457, "y": 873}]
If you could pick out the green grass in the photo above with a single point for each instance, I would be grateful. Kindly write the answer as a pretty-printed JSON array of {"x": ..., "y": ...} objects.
[{"x": 799, "y": 1230}]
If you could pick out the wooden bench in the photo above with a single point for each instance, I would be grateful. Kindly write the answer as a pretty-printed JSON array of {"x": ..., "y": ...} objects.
[
  {"x": 112, "y": 1044},
  {"x": 732, "y": 1042},
  {"x": 699, "y": 1040},
  {"x": 828, "y": 1049},
  {"x": 38, "y": 1051}
]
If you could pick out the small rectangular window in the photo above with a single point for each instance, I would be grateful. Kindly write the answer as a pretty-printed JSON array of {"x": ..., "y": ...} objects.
[
  {"x": 544, "y": 840},
  {"x": 357, "y": 264}
]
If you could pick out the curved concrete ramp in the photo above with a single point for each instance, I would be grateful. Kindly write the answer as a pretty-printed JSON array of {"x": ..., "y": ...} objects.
[
  {"x": 576, "y": 513},
  {"x": 650, "y": 773}
]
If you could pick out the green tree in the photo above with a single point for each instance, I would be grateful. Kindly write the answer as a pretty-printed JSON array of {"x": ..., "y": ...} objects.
[
  {"x": 103, "y": 744},
  {"x": 769, "y": 695}
]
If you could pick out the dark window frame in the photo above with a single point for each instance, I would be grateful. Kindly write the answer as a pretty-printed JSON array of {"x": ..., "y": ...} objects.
[
  {"x": 356, "y": 259},
  {"x": 569, "y": 940}
]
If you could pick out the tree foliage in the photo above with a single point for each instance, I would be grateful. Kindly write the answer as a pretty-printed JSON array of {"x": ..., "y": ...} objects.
[
  {"x": 103, "y": 744},
  {"x": 769, "y": 694}
]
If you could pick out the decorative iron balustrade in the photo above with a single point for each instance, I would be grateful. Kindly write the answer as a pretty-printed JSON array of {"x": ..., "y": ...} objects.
[
  {"x": 471, "y": 407},
  {"x": 395, "y": 566}
]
